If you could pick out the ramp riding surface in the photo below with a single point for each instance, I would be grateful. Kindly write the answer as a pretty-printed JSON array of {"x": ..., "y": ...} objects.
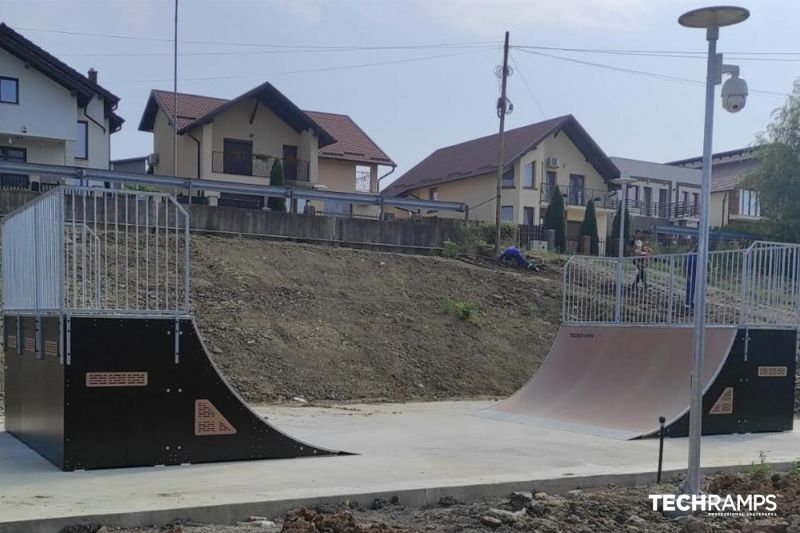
[{"x": 616, "y": 381}]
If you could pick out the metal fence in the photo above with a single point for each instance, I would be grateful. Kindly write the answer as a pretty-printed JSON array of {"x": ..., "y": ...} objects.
[
  {"x": 758, "y": 286},
  {"x": 83, "y": 250}
]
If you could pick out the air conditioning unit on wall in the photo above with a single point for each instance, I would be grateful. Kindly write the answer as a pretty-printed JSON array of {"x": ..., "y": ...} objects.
[
  {"x": 552, "y": 162},
  {"x": 152, "y": 159}
]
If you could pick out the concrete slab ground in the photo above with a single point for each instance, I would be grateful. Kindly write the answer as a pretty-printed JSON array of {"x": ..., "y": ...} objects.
[{"x": 419, "y": 451}]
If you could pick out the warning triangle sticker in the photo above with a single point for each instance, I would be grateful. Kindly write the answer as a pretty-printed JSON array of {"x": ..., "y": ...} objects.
[
  {"x": 724, "y": 404},
  {"x": 209, "y": 421}
]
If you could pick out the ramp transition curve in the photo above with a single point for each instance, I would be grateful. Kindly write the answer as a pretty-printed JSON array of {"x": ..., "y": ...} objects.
[{"x": 616, "y": 381}]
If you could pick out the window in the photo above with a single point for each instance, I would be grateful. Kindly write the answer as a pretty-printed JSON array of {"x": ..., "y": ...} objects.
[
  {"x": 237, "y": 158},
  {"x": 529, "y": 216},
  {"x": 508, "y": 179},
  {"x": 576, "y": 190},
  {"x": 9, "y": 90},
  {"x": 647, "y": 199},
  {"x": 433, "y": 193},
  {"x": 748, "y": 203},
  {"x": 507, "y": 213},
  {"x": 82, "y": 140},
  {"x": 529, "y": 175},
  {"x": 663, "y": 202},
  {"x": 695, "y": 202},
  {"x": 550, "y": 184},
  {"x": 13, "y": 181}
]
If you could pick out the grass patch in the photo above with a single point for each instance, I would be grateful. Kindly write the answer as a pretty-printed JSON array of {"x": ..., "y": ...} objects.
[
  {"x": 464, "y": 309},
  {"x": 760, "y": 470}
]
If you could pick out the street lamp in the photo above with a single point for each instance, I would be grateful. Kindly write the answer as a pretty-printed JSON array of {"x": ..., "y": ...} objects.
[
  {"x": 624, "y": 181},
  {"x": 734, "y": 94}
]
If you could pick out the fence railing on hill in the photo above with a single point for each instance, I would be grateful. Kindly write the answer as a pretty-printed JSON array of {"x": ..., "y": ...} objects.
[{"x": 758, "y": 286}]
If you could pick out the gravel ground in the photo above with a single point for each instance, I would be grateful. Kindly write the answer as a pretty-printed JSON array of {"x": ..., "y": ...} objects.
[{"x": 607, "y": 509}]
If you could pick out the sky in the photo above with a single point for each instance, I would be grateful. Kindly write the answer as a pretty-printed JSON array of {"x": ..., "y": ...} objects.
[{"x": 418, "y": 75}]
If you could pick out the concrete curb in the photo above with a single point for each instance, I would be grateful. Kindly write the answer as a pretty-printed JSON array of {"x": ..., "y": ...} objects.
[{"x": 237, "y": 512}]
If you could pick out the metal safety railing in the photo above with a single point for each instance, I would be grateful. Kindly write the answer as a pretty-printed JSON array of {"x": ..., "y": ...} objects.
[
  {"x": 82, "y": 250},
  {"x": 757, "y": 286}
]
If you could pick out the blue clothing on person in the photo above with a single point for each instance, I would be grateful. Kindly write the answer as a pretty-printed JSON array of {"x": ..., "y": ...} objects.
[
  {"x": 512, "y": 256},
  {"x": 690, "y": 269}
]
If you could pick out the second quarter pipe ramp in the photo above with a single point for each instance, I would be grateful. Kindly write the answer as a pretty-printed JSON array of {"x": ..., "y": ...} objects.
[{"x": 616, "y": 381}]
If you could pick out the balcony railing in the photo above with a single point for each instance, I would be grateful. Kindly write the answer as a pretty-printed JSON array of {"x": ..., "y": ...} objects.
[
  {"x": 578, "y": 196},
  {"x": 259, "y": 165},
  {"x": 659, "y": 210}
]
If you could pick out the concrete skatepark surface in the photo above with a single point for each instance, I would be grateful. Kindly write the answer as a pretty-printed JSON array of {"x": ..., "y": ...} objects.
[{"x": 420, "y": 451}]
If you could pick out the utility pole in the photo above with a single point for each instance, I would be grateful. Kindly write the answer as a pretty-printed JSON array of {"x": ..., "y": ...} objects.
[
  {"x": 502, "y": 110},
  {"x": 175, "y": 98}
]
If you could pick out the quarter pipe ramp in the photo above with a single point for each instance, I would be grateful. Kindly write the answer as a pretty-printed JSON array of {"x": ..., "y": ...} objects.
[{"x": 616, "y": 381}]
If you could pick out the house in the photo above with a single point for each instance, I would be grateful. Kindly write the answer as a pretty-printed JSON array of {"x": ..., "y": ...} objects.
[
  {"x": 662, "y": 194},
  {"x": 536, "y": 158},
  {"x": 239, "y": 140},
  {"x": 131, "y": 165},
  {"x": 731, "y": 200},
  {"x": 50, "y": 113}
]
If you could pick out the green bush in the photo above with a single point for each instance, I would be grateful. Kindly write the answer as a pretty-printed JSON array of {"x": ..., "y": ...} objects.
[
  {"x": 450, "y": 249},
  {"x": 556, "y": 219},
  {"x": 276, "y": 180},
  {"x": 760, "y": 470},
  {"x": 589, "y": 228}
]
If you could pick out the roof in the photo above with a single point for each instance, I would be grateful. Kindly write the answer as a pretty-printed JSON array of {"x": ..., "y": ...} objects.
[
  {"x": 190, "y": 107},
  {"x": 728, "y": 169},
  {"x": 344, "y": 139},
  {"x": 479, "y": 156},
  {"x": 639, "y": 169},
  {"x": 58, "y": 71},
  {"x": 352, "y": 144}
]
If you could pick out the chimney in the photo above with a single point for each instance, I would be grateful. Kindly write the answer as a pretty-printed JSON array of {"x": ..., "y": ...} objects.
[{"x": 93, "y": 75}]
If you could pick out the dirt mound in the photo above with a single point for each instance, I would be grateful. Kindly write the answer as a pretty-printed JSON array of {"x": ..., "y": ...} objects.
[{"x": 292, "y": 320}]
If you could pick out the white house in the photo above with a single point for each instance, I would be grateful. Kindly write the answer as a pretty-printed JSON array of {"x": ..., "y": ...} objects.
[{"x": 50, "y": 113}]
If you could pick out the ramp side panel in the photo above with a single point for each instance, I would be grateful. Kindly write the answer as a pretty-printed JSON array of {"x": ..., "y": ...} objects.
[
  {"x": 143, "y": 408},
  {"x": 622, "y": 378},
  {"x": 34, "y": 388},
  {"x": 762, "y": 400}
]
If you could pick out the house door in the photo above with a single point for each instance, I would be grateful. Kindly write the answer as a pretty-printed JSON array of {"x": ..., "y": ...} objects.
[
  {"x": 647, "y": 192},
  {"x": 290, "y": 162},
  {"x": 237, "y": 157},
  {"x": 13, "y": 181},
  {"x": 663, "y": 203},
  {"x": 576, "y": 189}
]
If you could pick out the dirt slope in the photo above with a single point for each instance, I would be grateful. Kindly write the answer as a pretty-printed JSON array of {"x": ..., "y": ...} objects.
[{"x": 286, "y": 320}]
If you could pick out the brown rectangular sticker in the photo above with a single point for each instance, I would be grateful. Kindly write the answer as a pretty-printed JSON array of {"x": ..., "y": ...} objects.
[
  {"x": 116, "y": 379},
  {"x": 30, "y": 344},
  {"x": 12, "y": 341},
  {"x": 50, "y": 348},
  {"x": 773, "y": 371}
]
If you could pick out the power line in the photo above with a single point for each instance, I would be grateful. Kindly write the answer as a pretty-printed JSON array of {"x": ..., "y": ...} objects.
[
  {"x": 530, "y": 89},
  {"x": 644, "y": 74},
  {"x": 649, "y": 53},
  {"x": 266, "y": 45},
  {"x": 305, "y": 71}
]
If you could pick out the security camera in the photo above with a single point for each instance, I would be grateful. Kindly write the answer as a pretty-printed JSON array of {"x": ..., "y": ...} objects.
[{"x": 734, "y": 93}]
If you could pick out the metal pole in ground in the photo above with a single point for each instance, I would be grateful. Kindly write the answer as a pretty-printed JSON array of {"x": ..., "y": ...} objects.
[
  {"x": 711, "y": 18},
  {"x": 624, "y": 181}
]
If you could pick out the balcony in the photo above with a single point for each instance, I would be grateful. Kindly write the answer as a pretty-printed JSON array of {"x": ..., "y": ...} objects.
[
  {"x": 258, "y": 165},
  {"x": 578, "y": 196},
  {"x": 659, "y": 210}
]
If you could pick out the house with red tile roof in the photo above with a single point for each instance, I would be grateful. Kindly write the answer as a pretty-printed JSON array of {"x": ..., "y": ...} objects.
[
  {"x": 239, "y": 140},
  {"x": 731, "y": 199},
  {"x": 536, "y": 158}
]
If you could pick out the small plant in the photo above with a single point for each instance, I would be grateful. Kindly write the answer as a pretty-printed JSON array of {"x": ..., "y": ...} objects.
[
  {"x": 795, "y": 470},
  {"x": 450, "y": 249},
  {"x": 463, "y": 309},
  {"x": 762, "y": 469}
]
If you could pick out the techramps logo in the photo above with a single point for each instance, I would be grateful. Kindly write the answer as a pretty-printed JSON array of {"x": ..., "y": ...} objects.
[{"x": 752, "y": 505}]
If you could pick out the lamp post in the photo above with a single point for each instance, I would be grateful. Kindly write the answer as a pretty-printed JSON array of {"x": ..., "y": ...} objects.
[
  {"x": 624, "y": 181},
  {"x": 712, "y": 19}
]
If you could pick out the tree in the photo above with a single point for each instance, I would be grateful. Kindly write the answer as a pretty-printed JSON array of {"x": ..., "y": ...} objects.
[
  {"x": 276, "y": 180},
  {"x": 555, "y": 219},
  {"x": 612, "y": 250},
  {"x": 778, "y": 173},
  {"x": 589, "y": 228}
]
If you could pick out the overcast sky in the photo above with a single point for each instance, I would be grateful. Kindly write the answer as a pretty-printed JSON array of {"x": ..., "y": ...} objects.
[{"x": 410, "y": 108}]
